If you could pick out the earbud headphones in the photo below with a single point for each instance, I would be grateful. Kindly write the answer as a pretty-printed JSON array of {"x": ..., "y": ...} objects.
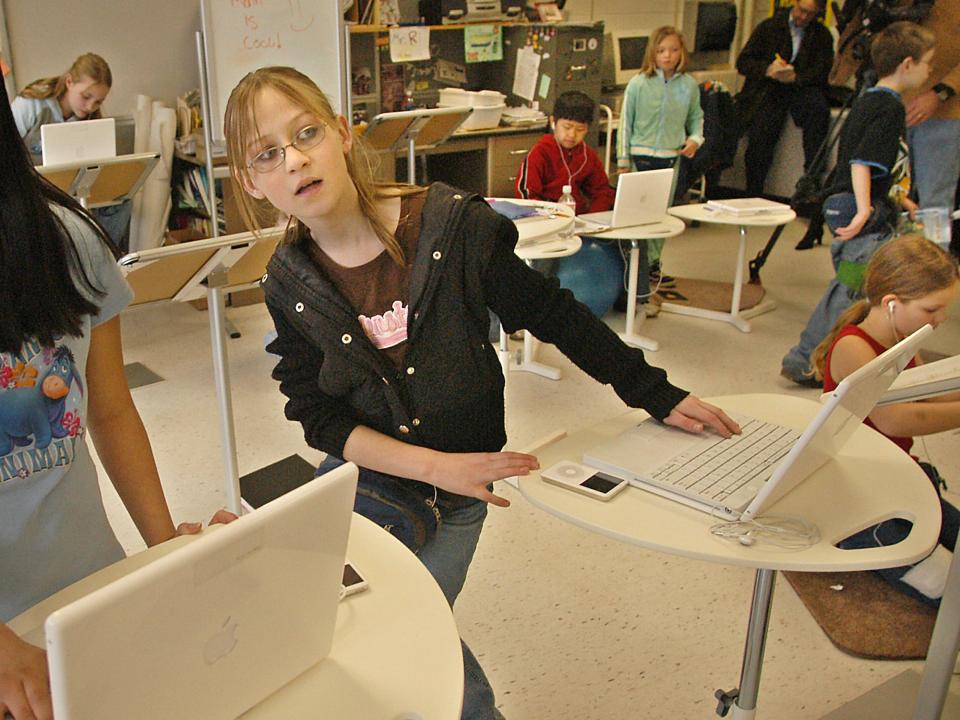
[{"x": 891, "y": 306}]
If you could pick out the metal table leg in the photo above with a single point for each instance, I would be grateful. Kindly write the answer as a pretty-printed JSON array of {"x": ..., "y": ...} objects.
[{"x": 743, "y": 701}]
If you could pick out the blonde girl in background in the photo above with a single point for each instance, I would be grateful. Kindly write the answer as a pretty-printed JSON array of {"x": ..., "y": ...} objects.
[
  {"x": 77, "y": 94},
  {"x": 380, "y": 296},
  {"x": 661, "y": 121},
  {"x": 909, "y": 282}
]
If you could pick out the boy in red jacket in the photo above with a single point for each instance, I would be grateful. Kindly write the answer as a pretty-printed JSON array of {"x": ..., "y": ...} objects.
[{"x": 563, "y": 158}]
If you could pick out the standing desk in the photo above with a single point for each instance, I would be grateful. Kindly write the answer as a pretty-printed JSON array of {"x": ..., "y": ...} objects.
[
  {"x": 665, "y": 228},
  {"x": 870, "y": 478},
  {"x": 736, "y": 317},
  {"x": 106, "y": 181},
  {"x": 209, "y": 267},
  {"x": 396, "y": 650}
]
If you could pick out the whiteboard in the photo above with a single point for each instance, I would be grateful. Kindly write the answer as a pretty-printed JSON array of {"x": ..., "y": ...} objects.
[{"x": 243, "y": 35}]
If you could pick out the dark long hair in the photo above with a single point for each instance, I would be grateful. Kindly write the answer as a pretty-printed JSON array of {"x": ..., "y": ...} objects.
[{"x": 38, "y": 297}]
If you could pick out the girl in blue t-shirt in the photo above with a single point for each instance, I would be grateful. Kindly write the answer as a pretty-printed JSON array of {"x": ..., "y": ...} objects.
[{"x": 61, "y": 375}]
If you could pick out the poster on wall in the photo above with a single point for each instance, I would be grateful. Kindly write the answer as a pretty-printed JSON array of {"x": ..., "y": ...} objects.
[
  {"x": 525, "y": 75},
  {"x": 482, "y": 43},
  {"x": 392, "y": 88}
]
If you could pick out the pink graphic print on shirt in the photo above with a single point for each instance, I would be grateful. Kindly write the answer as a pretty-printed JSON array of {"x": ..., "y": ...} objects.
[{"x": 387, "y": 330}]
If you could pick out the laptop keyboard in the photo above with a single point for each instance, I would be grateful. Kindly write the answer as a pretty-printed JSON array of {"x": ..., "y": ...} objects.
[{"x": 716, "y": 469}]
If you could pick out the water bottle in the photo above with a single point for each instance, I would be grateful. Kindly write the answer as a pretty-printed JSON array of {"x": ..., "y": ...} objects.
[{"x": 567, "y": 199}]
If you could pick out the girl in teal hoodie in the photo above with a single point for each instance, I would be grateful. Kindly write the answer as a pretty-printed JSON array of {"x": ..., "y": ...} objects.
[{"x": 661, "y": 120}]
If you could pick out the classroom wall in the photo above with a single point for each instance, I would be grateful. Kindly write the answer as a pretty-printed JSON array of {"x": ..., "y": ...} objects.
[
  {"x": 624, "y": 14},
  {"x": 151, "y": 48},
  {"x": 149, "y": 45}
]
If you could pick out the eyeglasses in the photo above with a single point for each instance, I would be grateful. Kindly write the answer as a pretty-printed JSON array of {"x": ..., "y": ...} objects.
[{"x": 272, "y": 157}]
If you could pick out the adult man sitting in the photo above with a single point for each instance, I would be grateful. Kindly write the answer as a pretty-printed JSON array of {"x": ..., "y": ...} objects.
[{"x": 786, "y": 62}]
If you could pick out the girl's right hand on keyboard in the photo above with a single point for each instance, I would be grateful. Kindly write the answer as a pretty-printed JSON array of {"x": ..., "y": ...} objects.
[{"x": 694, "y": 415}]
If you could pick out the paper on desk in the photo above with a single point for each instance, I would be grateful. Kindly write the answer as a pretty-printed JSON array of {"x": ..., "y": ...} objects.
[
  {"x": 409, "y": 43},
  {"x": 525, "y": 76},
  {"x": 925, "y": 381}
]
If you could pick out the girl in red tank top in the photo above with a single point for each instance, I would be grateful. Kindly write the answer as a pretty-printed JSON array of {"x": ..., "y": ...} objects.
[{"x": 908, "y": 283}]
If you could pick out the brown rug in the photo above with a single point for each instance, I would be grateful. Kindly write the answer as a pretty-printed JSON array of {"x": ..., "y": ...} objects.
[
  {"x": 710, "y": 295},
  {"x": 867, "y": 618}
]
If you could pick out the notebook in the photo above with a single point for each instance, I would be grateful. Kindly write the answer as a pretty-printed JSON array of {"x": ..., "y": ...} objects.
[
  {"x": 217, "y": 625},
  {"x": 747, "y": 206},
  {"x": 642, "y": 199},
  {"x": 743, "y": 476},
  {"x": 71, "y": 142},
  {"x": 925, "y": 381}
]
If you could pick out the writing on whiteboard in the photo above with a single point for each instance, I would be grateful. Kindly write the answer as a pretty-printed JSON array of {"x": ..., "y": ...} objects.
[{"x": 264, "y": 35}]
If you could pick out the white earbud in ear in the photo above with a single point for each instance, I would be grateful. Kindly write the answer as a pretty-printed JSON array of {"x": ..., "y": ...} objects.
[{"x": 891, "y": 306}]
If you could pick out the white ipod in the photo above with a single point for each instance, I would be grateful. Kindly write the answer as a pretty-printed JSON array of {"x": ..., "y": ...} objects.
[{"x": 583, "y": 479}]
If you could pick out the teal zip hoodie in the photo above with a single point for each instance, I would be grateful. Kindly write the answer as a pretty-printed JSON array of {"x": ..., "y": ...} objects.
[{"x": 659, "y": 116}]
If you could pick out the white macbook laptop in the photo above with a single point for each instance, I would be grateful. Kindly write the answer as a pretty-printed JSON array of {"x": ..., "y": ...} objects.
[
  {"x": 642, "y": 199},
  {"x": 214, "y": 627},
  {"x": 70, "y": 142},
  {"x": 742, "y": 476}
]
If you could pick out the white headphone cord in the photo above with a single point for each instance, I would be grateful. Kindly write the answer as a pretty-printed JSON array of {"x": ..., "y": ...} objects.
[
  {"x": 583, "y": 164},
  {"x": 785, "y": 532}
]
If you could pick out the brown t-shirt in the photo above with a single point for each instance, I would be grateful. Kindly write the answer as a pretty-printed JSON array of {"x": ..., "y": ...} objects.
[{"x": 379, "y": 290}]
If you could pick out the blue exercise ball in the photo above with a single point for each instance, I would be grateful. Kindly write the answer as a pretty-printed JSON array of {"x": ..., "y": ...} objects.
[{"x": 594, "y": 275}]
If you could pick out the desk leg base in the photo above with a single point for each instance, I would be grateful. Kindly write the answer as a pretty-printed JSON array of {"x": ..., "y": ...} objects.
[
  {"x": 551, "y": 373},
  {"x": 739, "y": 321},
  {"x": 640, "y": 341},
  {"x": 528, "y": 361}
]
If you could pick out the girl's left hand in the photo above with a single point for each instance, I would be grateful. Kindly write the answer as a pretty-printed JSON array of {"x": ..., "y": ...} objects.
[
  {"x": 689, "y": 149},
  {"x": 192, "y": 528},
  {"x": 693, "y": 415}
]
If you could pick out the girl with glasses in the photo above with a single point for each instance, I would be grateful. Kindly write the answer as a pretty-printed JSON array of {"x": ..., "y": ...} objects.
[{"x": 380, "y": 298}]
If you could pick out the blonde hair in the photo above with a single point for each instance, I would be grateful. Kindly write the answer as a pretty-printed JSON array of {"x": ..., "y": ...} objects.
[
  {"x": 649, "y": 66},
  {"x": 909, "y": 267},
  {"x": 90, "y": 66},
  {"x": 240, "y": 127}
]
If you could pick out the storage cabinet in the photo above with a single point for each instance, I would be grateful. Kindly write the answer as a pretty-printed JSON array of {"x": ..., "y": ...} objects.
[{"x": 505, "y": 154}]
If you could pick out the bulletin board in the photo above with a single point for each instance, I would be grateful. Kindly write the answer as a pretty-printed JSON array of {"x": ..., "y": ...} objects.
[{"x": 243, "y": 35}]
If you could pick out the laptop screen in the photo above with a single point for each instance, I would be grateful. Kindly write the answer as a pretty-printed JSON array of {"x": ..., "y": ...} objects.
[{"x": 79, "y": 141}]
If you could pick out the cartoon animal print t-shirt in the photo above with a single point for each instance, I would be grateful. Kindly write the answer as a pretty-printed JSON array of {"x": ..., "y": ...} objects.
[{"x": 53, "y": 528}]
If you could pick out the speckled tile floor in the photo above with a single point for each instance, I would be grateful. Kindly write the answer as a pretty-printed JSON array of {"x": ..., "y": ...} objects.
[{"x": 567, "y": 624}]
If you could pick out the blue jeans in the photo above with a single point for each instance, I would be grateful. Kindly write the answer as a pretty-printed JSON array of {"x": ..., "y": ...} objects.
[
  {"x": 651, "y": 162},
  {"x": 935, "y": 153},
  {"x": 115, "y": 220},
  {"x": 892, "y": 531},
  {"x": 447, "y": 556},
  {"x": 837, "y": 298},
  {"x": 935, "y": 156}
]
